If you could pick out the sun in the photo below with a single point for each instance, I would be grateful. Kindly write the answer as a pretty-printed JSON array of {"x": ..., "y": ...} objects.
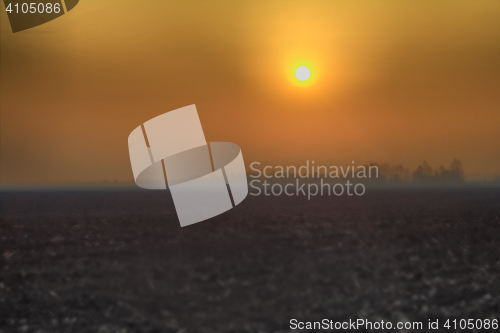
[{"x": 302, "y": 73}]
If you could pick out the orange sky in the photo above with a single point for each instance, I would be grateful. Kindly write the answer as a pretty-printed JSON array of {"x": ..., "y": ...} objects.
[{"x": 396, "y": 82}]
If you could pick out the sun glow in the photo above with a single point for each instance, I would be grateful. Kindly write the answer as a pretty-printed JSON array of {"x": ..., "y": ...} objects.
[{"x": 301, "y": 72}]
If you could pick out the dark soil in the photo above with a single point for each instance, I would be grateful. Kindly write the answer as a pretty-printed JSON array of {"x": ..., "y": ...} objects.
[{"x": 118, "y": 261}]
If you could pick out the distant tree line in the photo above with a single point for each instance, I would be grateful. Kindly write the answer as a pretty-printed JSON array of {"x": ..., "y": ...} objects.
[
  {"x": 385, "y": 173},
  {"x": 423, "y": 174}
]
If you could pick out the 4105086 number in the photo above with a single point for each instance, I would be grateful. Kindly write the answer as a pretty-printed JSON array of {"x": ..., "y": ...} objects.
[{"x": 33, "y": 8}]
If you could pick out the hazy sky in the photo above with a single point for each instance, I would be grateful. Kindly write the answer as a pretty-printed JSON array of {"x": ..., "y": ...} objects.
[{"x": 392, "y": 81}]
